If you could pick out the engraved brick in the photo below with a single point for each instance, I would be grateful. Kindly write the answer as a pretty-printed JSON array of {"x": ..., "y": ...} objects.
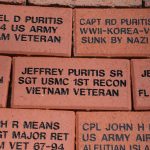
[
  {"x": 35, "y": 30},
  {"x": 5, "y": 66},
  {"x": 37, "y": 129},
  {"x": 112, "y": 32},
  {"x": 81, "y": 84},
  {"x": 141, "y": 83},
  {"x": 113, "y": 130}
]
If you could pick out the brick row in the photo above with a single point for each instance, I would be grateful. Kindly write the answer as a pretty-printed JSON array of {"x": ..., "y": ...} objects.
[
  {"x": 83, "y": 3},
  {"x": 48, "y": 129},
  {"x": 84, "y": 83},
  {"x": 96, "y": 32}
]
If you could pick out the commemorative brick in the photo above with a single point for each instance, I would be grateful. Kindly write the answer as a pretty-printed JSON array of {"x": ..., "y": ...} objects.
[
  {"x": 113, "y": 130},
  {"x": 35, "y": 30},
  {"x": 81, "y": 84},
  {"x": 5, "y": 67},
  {"x": 141, "y": 83},
  {"x": 112, "y": 32},
  {"x": 36, "y": 129}
]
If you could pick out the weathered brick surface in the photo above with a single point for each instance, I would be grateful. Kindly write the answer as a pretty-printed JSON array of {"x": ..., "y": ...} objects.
[
  {"x": 147, "y": 3},
  {"x": 13, "y": 1},
  {"x": 94, "y": 3}
]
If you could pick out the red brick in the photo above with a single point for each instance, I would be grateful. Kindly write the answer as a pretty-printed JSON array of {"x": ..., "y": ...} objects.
[
  {"x": 129, "y": 130},
  {"x": 5, "y": 66},
  {"x": 87, "y": 44},
  {"x": 52, "y": 2},
  {"x": 111, "y": 3},
  {"x": 141, "y": 83},
  {"x": 78, "y": 87},
  {"x": 13, "y": 1},
  {"x": 50, "y": 35},
  {"x": 147, "y": 3},
  {"x": 33, "y": 129}
]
